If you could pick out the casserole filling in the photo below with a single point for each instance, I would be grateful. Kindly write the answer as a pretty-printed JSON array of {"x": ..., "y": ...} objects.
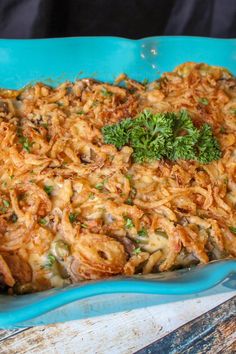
[{"x": 87, "y": 193}]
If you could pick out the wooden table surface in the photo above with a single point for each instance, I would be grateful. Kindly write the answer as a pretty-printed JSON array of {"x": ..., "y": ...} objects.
[{"x": 203, "y": 324}]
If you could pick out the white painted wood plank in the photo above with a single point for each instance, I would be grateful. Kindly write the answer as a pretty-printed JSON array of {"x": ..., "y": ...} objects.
[
  {"x": 8, "y": 333},
  {"x": 120, "y": 333}
]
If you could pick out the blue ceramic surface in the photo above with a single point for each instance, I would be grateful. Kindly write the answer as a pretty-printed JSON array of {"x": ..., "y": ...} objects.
[{"x": 104, "y": 58}]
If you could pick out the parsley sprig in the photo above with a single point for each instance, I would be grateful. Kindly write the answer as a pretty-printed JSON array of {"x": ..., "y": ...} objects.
[{"x": 158, "y": 136}]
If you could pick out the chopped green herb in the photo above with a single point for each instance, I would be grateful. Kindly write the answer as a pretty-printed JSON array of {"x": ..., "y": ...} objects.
[
  {"x": 11, "y": 176},
  {"x": 60, "y": 104},
  {"x": 6, "y": 203},
  {"x": 233, "y": 229},
  {"x": 80, "y": 112},
  {"x": 73, "y": 217},
  {"x": 145, "y": 82},
  {"x": 50, "y": 261},
  {"x": 164, "y": 135},
  {"x": 100, "y": 185},
  {"x": 105, "y": 92},
  {"x": 84, "y": 226},
  {"x": 19, "y": 132},
  {"x": 45, "y": 125},
  {"x": 91, "y": 195},
  {"x": 204, "y": 101},
  {"x": 222, "y": 129},
  {"x": 95, "y": 103},
  {"x": 143, "y": 232},
  {"x": 137, "y": 251},
  {"x": 26, "y": 143},
  {"x": 128, "y": 222},
  {"x": 43, "y": 221},
  {"x": 4, "y": 184},
  {"x": 3, "y": 209},
  {"x": 233, "y": 111},
  {"x": 48, "y": 189},
  {"x": 129, "y": 177},
  {"x": 133, "y": 192},
  {"x": 129, "y": 201},
  {"x": 161, "y": 233}
]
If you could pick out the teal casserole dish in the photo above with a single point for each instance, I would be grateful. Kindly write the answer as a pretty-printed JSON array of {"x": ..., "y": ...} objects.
[{"x": 104, "y": 58}]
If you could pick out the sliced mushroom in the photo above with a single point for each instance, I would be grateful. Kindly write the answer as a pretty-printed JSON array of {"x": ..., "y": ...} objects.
[
  {"x": 6, "y": 273},
  {"x": 20, "y": 269},
  {"x": 100, "y": 253},
  {"x": 79, "y": 271},
  {"x": 128, "y": 244}
]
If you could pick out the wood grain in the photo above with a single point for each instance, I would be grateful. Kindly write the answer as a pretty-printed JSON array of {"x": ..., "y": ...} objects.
[
  {"x": 117, "y": 333},
  {"x": 4, "y": 334},
  {"x": 211, "y": 333}
]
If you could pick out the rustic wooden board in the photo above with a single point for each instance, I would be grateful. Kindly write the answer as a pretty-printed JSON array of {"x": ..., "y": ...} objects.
[
  {"x": 213, "y": 332},
  {"x": 119, "y": 333},
  {"x": 4, "y": 334}
]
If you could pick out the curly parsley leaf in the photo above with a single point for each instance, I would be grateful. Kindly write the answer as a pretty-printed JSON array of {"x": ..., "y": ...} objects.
[
  {"x": 117, "y": 134},
  {"x": 208, "y": 147},
  {"x": 158, "y": 136}
]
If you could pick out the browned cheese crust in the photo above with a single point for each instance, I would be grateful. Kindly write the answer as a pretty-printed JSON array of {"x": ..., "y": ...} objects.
[{"x": 64, "y": 193}]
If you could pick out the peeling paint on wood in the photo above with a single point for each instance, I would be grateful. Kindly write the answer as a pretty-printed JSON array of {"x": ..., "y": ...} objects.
[
  {"x": 118, "y": 333},
  {"x": 210, "y": 333},
  {"x": 6, "y": 334}
]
